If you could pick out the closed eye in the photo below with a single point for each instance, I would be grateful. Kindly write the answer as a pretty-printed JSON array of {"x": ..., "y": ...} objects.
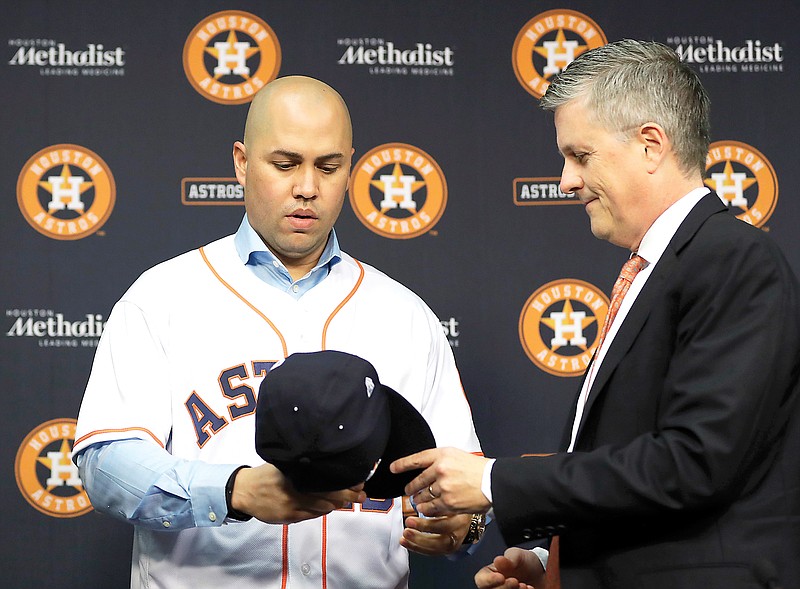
[{"x": 579, "y": 157}]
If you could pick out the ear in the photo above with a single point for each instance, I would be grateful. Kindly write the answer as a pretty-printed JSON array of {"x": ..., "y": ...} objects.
[
  {"x": 655, "y": 145},
  {"x": 240, "y": 162},
  {"x": 348, "y": 188}
]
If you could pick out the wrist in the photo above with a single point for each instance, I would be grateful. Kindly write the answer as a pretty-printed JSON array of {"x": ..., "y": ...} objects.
[
  {"x": 234, "y": 513},
  {"x": 477, "y": 526}
]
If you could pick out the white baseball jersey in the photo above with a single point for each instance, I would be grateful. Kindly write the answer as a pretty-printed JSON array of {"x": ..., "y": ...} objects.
[{"x": 180, "y": 362}]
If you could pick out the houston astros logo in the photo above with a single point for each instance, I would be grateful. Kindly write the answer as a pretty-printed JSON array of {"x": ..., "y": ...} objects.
[
  {"x": 560, "y": 324},
  {"x": 398, "y": 191},
  {"x": 741, "y": 175},
  {"x": 548, "y": 43},
  {"x": 45, "y": 473},
  {"x": 66, "y": 191},
  {"x": 230, "y": 55}
]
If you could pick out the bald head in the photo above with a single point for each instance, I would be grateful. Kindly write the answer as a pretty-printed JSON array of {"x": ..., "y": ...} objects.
[
  {"x": 294, "y": 165},
  {"x": 294, "y": 95}
]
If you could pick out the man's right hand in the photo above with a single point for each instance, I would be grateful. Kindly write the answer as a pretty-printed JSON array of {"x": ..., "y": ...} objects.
[
  {"x": 515, "y": 569},
  {"x": 266, "y": 494}
]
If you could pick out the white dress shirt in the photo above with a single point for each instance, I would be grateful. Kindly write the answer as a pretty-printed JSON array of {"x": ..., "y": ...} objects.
[{"x": 654, "y": 242}]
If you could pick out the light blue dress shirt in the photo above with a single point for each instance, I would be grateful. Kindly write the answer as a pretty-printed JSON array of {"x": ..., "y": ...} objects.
[{"x": 263, "y": 263}]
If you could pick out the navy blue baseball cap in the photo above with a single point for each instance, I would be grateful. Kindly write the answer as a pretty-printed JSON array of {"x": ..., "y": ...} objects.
[{"x": 325, "y": 420}]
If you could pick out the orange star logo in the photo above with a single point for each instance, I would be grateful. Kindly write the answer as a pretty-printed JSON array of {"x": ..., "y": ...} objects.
[
  {"x": 397, "y": 172},
  {"x": 728, "y": 180},
  {"x": 561, "y": 51},
  {"x": 570, "y": 319},
  {"x": 66, "y": 174},
  {"x": 231, "y": 50}
]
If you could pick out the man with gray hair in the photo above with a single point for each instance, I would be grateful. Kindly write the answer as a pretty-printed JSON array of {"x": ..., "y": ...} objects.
[{"x": 680, "y": 465}]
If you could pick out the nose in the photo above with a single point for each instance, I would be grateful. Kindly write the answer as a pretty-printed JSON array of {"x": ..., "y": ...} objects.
[
  {"x": 571, "y": 180},
  {"x": 305, "y": 185}
]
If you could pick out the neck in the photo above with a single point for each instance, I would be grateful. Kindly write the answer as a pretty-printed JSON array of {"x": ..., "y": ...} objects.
[
  {"x": 298, "y": 269},
  {"x": 671, "y": 190}
]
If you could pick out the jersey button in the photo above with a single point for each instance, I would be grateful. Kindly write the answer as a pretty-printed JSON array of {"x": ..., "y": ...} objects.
[{"x": 305, "y": 569}]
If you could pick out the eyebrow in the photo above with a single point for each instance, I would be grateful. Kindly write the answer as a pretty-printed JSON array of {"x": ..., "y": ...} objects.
[
  {"x": 570, "y": 148},
  {"x": 297, "y": 156}
]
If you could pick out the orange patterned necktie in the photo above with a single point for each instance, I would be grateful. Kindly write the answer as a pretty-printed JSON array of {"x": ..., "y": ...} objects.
[{"x": 629, "y": 271}]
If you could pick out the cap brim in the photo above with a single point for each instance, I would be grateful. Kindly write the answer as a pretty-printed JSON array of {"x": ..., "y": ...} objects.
[{"x": 409, "y": 433}]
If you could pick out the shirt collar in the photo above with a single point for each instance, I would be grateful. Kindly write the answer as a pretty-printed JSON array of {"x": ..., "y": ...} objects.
[{"x": 248, "y": 243}]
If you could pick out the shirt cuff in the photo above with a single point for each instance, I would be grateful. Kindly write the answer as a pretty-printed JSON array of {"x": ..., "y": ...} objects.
[
  {"x": 543, "y": 555},
  {"x": 486, "y": 481},
  {"x": 207, "y": 492}
]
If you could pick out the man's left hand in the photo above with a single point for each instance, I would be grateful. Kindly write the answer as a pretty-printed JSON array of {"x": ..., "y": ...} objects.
[{"x": 435, "y": 536}]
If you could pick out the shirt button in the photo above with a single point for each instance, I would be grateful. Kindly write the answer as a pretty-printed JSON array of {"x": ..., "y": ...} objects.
[
  {"x": 295, "y": 288},
  {"x": 275, "y": 263},
  {"x": 212, "y": 516},
  {"x": 166, "y": 524},
  {"x": 305, "y": 569}
]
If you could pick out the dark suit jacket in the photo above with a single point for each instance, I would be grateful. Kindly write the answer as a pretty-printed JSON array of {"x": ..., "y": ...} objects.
[{"x": 686, "y": 469}]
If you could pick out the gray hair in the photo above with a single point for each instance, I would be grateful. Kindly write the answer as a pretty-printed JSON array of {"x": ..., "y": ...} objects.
[{"x": 628, "y": 83}]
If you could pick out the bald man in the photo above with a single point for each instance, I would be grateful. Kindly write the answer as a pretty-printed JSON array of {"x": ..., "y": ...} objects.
[{"x": 165, "y": 436}]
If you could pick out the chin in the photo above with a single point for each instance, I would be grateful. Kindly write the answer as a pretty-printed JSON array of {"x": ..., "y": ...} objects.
[{"x": 598, "y": 230}]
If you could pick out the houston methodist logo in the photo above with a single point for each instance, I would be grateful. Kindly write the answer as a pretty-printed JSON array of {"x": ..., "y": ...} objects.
[
  {"x": 230, "y": 55},
  {"x": 398, "y": 191},
  {"x": 548, "y": 43},
  {"x": 66, "y": 191},
  {"x": 45, "y": 473},
  {"x": 741, "y": 175},
  {"x": 560, "y": 324}
]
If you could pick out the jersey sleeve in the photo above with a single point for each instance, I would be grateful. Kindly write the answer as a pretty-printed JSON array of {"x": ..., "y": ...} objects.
[
  {"x": 445, "y": 404},
  {"x": 126, "y": 393}
]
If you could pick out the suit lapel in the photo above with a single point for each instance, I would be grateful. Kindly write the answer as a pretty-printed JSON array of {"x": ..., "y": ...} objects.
[{"x": 638, "y": 313}]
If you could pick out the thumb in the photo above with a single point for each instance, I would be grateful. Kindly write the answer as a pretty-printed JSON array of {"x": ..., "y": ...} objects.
[{"x": 512, "y": 563}]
